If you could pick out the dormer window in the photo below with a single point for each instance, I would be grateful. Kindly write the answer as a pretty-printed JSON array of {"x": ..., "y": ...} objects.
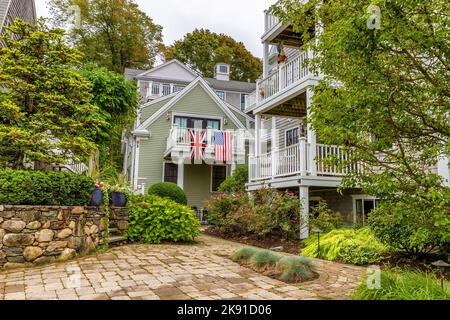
[{"x": 223, "y": 69}]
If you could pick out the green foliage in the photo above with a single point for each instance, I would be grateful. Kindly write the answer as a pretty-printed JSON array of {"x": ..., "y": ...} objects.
[
  {"x": 357, "y": 246},
  {"x": 391, "y": 106},
  {"x": 295, "y": 269},
  {"x": 404, "y": 285},
  {"x": 202, "y": 49},
  {"x": 235, "y": 182},
  {"x": 168, "y": 190},
  {"x": 47, "y": 104},
  {"x": 117, "y": 101},
  {"x": 323, "y": 218},
  {"x": 113, "y": 34},
  {"x": 45, "y": 188},
  {"x": 153, "y": 220},
  {"x": 264, "y": 259},
  {"x": 411, "y": 227},
  {"x": 267, "y": 212},
  {"x": 244, "y": 254},
  {"x": 286, "y": 268}
]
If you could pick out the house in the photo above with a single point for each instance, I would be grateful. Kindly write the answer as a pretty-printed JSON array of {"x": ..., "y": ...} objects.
[
  {"x": 173, "y": 76},
  {"x": 288, "y": 154},
  {"x": 12, "y": 9},
  {"x": 182, "y": 129}
]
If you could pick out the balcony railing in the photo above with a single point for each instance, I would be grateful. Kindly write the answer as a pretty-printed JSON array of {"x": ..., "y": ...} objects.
[
  {"x": 181, "y": 138},
  {"x": 250, "y": 102},
  {"x": 270, "y": 21},
  {"x": 288, "y": 75},
  {"x": 329, "y": 160}
]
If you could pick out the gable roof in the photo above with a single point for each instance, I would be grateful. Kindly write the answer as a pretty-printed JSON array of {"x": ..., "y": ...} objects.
[
  {"x": 197, "y": 82},
  {"x": 231, "y": 85},
  {"x": 4, "y": 5},
  {"x": 24, "y": 9},
  {"x": 176, "y": 65}
]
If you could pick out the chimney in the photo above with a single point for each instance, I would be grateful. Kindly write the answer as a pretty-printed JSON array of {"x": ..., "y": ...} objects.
[{"x": 222, "y": 71}]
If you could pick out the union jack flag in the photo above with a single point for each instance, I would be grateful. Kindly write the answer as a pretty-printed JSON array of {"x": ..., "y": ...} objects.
[
  {"x": 223, "y": 146},
  {"x": 198, "y": 144}
]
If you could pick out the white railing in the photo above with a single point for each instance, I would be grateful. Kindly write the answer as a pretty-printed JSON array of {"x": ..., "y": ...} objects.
[
  {"x": 287, "y": 75},
  {"x": 270, "y": 21},
  {"x": 251, "y": 100},
  {"x": 331, "y": 161}
]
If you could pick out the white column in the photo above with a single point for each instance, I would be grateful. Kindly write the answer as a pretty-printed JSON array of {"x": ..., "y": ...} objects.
[
  {"x": 125, "y": 158},
  {"x": 303, "y": 155},
  {"x": 180, "y": 173},
  {"x": 265, "y": 60},
  {"x": 136, "y": 163},
  {"x": 312, "y": 139},
  {"x": 304, "y": 212},
  {"x": 275, "y": 146},
  {"x": 257, "y": 135}
]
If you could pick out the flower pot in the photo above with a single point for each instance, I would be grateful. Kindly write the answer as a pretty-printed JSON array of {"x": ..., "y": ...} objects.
[
  {"x": 281, "y": 58},
  {"x": 118, "y": 199},
  {"x": 97, "y": 197},
  {"x": 261, "y": 92}
]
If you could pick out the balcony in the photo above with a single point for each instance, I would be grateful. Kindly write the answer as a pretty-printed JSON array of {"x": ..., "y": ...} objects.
[
  {"x": 179, "y": 144},
  {"x": 300, "y": 160},
  {"x": 288, "y": 79}
]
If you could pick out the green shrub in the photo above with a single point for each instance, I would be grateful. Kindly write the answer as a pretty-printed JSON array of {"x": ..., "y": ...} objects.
[
  {"x": 295, "y": 269},
  {"x": 413, "y": 228},
  {"x": 168, "y": 190},
  {"x": 323, "y": 218},
  {"x": 267, "y": 212},
  {"x": 45, "y": 188},
  {"x": 235, "y": 182},
  {"x": 339, "y": 245},
  {"x": 244, "y": 254},
  {"x": 154, "y": 219},
  {"x": 264, "y": 259},
  {"x": 404, "y": 285}
]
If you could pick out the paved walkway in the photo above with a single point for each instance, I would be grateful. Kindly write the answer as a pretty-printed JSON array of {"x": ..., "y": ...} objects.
[{"x": 200, "y": 271}]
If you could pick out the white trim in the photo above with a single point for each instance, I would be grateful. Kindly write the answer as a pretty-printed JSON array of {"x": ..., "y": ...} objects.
[
  {"x": 211, "y": 175},
  {"x": 136, "y": 163},
  {"x": 144, "y": 74},
  {"x": 159, "y": 99},
  {"x": 246, "y": 116},
  {"x": 188, "y": 89}
]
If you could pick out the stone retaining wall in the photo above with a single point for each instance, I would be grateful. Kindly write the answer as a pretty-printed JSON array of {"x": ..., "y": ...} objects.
[{"x": 33, "y": 235}]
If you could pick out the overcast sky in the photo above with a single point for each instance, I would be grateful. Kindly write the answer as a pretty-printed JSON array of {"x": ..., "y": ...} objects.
[{"x": 241, "y": 19}]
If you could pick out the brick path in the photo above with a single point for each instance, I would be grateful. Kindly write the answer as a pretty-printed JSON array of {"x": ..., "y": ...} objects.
[{"x": 200, "y": 271}]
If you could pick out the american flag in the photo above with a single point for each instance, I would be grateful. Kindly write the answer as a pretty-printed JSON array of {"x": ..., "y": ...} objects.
[
  {"x": 223, "y": 146},
  {"x": 198, "y": 144}
]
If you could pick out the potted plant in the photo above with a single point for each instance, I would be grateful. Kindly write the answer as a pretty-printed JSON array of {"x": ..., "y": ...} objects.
[
  {"x": 97, "y": 195},
  {"x": 281, "y": 54},
  {"x": 120, "y": 191},
  {"x": 261, "y": 92}
]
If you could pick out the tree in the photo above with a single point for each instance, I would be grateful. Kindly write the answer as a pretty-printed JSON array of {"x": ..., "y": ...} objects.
[
  {"x": 117, "y": 101},
  {"x": 114, "y": 34},
  {"x": 202, "y": 49},
  {"x": 385, "y": 94},
  {"x": 45, "y": 102}
]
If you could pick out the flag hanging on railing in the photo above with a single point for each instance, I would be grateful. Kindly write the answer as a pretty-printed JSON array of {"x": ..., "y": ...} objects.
[
  {"x": 223, "y": 146},
  {"x": 198, "y": 144}
]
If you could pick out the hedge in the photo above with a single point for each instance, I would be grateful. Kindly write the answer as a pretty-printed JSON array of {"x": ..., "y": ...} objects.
[
  {"x": 45, "y": 188},
  {"x": 168, "y": 190}
]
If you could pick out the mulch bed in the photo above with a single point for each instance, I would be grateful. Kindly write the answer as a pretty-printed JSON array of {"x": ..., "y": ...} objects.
[{"x": 289, "y": 246}]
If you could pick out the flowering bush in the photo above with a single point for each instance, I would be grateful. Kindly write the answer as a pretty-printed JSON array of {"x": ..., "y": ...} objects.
[{"x": 266, "y": 212}]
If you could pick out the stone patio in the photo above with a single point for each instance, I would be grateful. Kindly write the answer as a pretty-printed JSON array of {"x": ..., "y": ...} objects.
[{"x": 200, "y": 271}]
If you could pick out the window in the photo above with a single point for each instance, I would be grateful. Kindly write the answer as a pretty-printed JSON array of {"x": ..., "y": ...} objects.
[
  {"x": 170, "y": 172},
  {"x": 197, "y": 123},
  {"x": 291, "y": 137},
  {"x": 178, "y": 88},
  {"x": 166, "y": 89},
  {"x": 244, "y": 98},
  {"x": 221, "y": 94},
  {"x": 219, "y": 174},
  {"x": 155, "y": 88},
  {"x": 363, "y": 206},
  {"x": 223, "y": 69},
  {"x": 181, "y": 122},
  {"x": 213, "y": 124}
]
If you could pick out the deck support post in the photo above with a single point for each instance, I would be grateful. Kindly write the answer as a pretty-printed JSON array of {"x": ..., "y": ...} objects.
[
  {"x": 180, "y": 173},
  {"x": 312, "y": 139},
  {"x": 304, "y": 212}
]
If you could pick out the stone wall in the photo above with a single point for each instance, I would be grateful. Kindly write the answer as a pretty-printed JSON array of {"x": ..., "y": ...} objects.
[{"x": 33, "y": 235}]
